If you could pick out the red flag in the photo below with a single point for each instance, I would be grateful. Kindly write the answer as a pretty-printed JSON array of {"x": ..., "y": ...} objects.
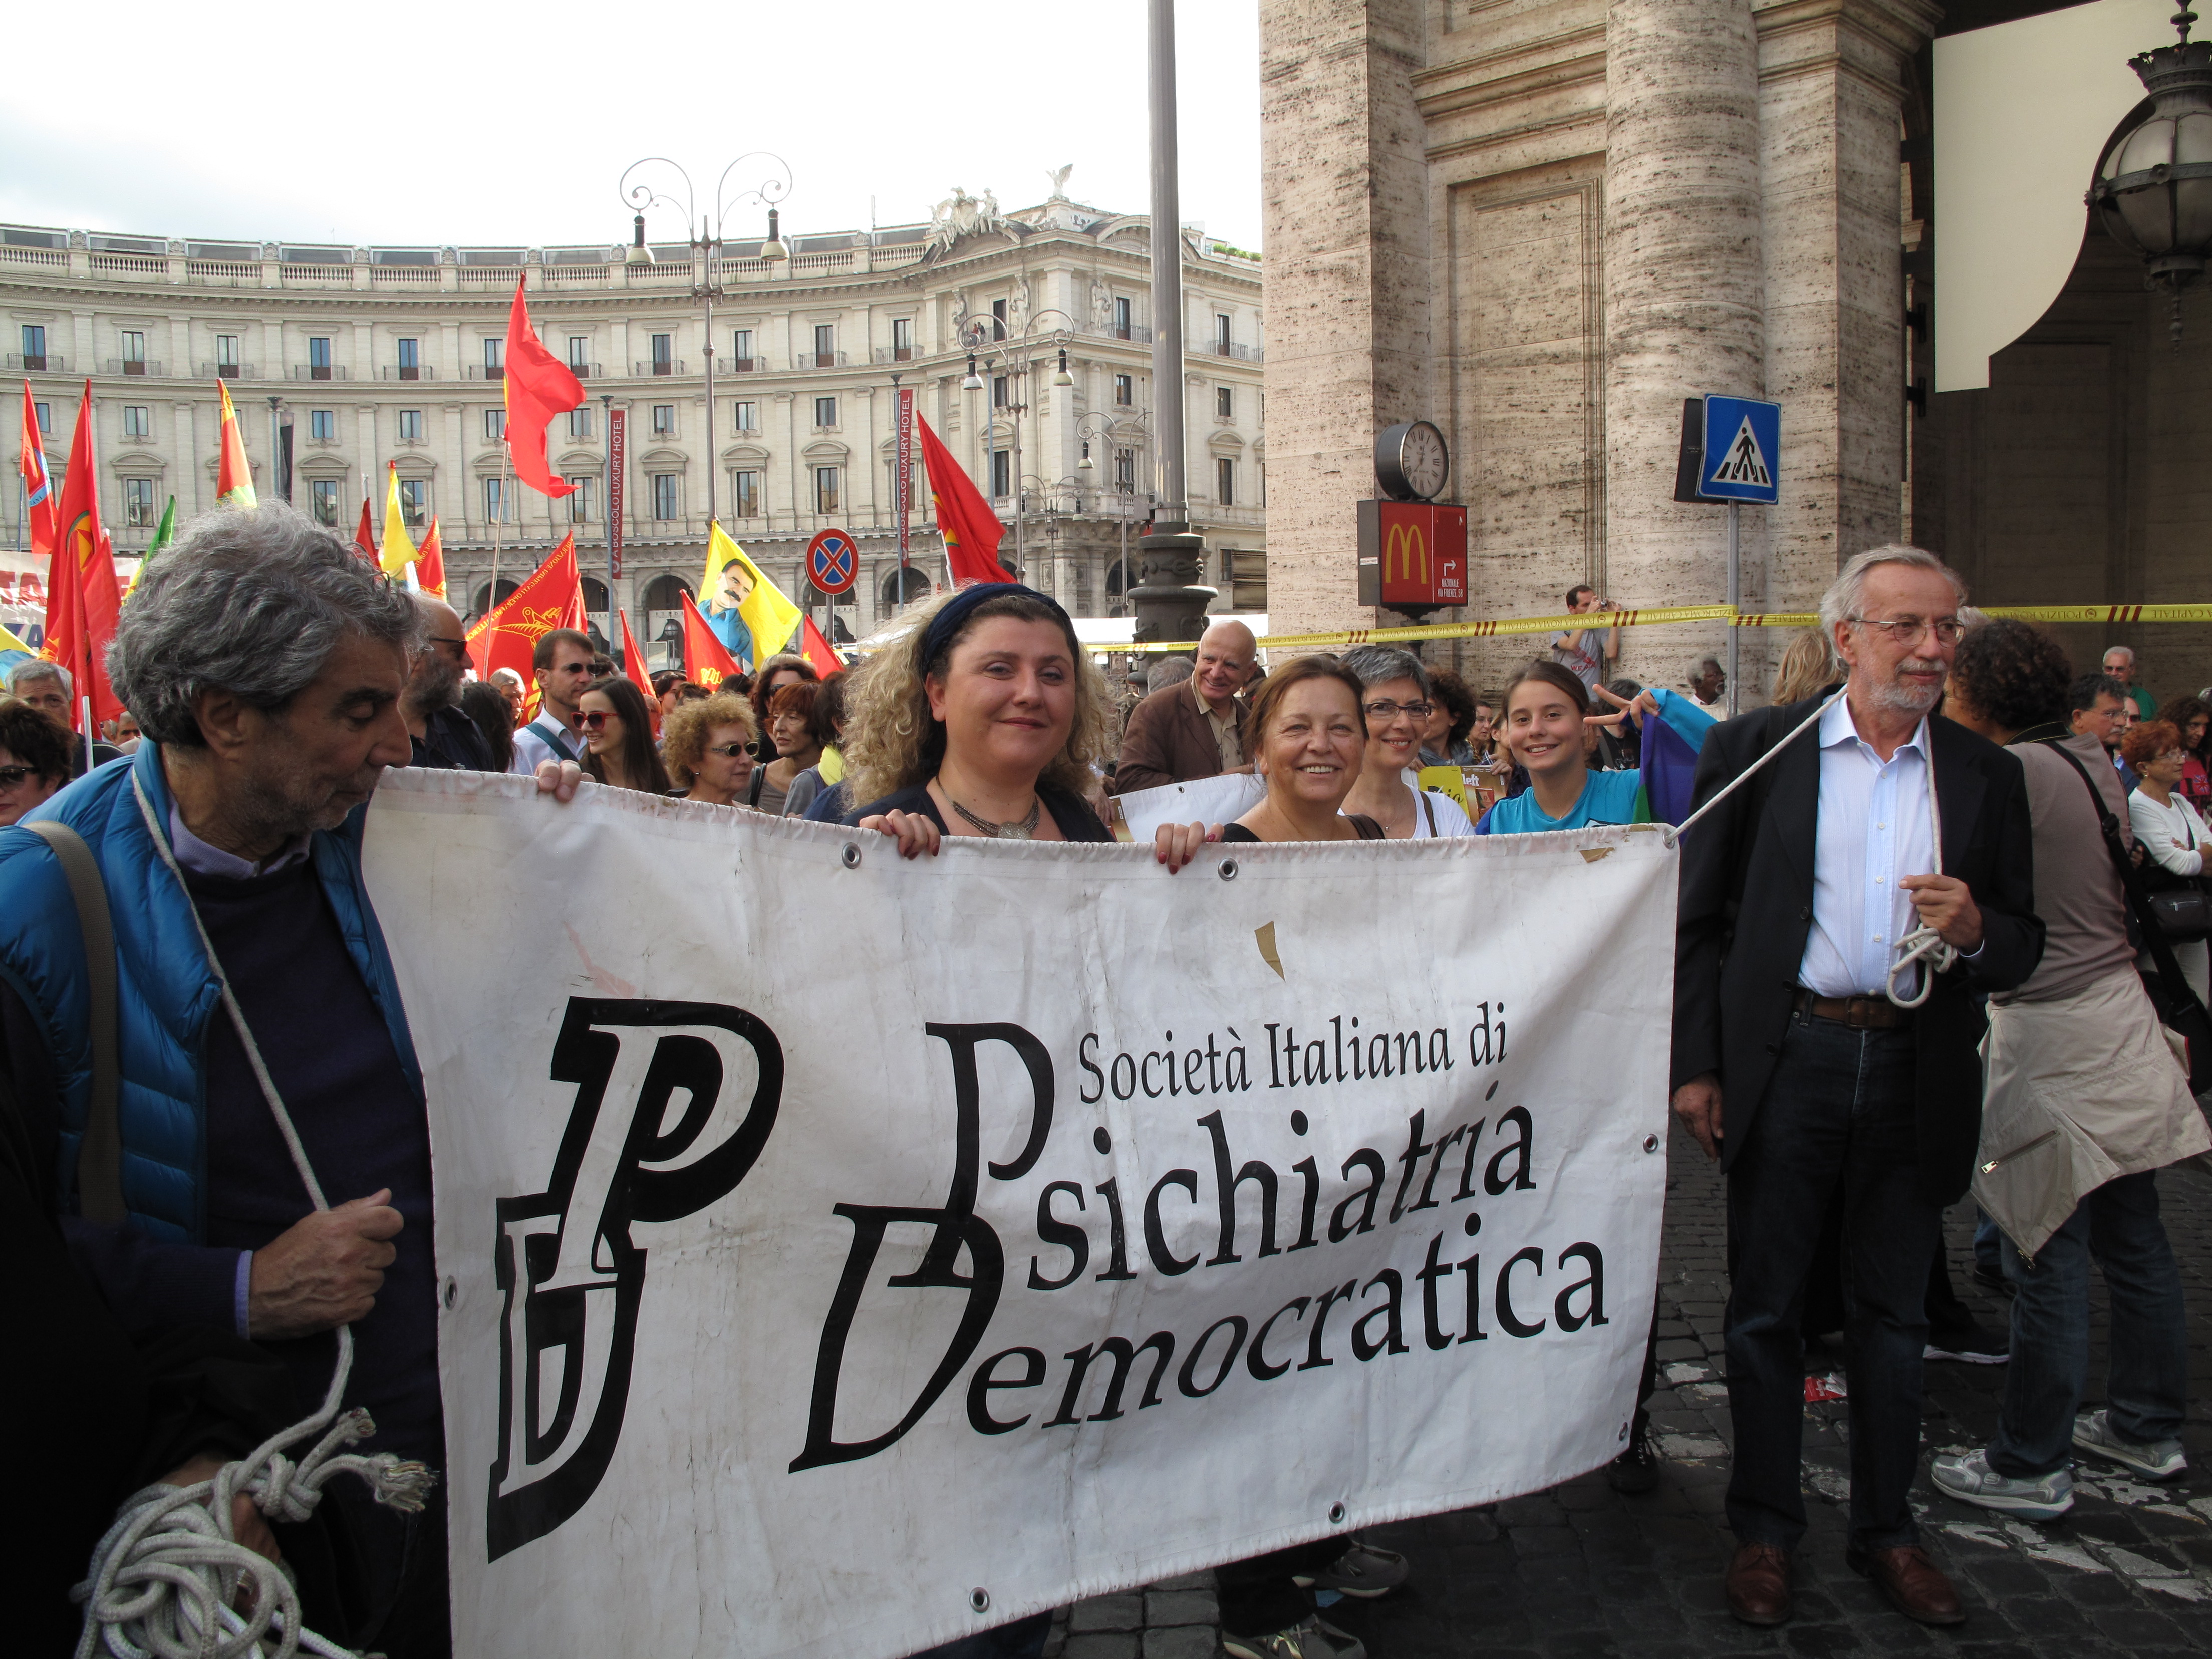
[
  {"x": 817, "y": 650},
  {"x": 83, "y": 598},
  {"x": 705, "y": 657},
  {"x": 365, "y": 537},
  {"x": 430, "y": 562},
  {"x": 550, "y": 597},
  {"x": 634, "y": 669},
  {"x": 38, "y": 483},
  {"x": 970, "y": 528},
  {"x": 538, "y": 388}
]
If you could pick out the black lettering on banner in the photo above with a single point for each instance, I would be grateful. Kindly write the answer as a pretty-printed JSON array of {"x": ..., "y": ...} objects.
[
  {"x": 1156, "y": 1236},
  {"x": 1467, "y": 1167},
  {"x": 1184, "y": 1377},
  {"x": 1493, "y": 1181},
  {"x": 986, "y": 1379},
  {"x": 1316, "y": 1360},
  {"x": 1117, "y": 1235},
  {"x": 1368, "y": 1159},
  {"x": 1067, "y": 1236},
  {"x": 1394, "y": 1334},
  {"x": 572, "y": 1276},
  {"x": 1116, "y": 1349},
  {"x": 1260, "y": 1174},
  {"x": 1255, "y": 1358},
  {"x": 957, "y": 1227},
  {"x": 1408, "y": 1161},
  {"x": 1083, "y": 1059},
  {"x": 1431, "y": 1275},
  {"x": 1429, "y": 1183},
  {"x": 1309, "y": 1173},
  {"x": 1503, "y": 1299},
  {"x": 1591, "y": 1257}
]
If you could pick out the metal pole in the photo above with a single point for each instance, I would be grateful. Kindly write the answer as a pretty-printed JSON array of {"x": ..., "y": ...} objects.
[
  {"x": 1167, "y": 264},
  {"x": 706, "y": 295},
  {"x": 1735, "y": 598},
  {"x": 606, "y": 499},
  {"x": 1021, "y": 558}
]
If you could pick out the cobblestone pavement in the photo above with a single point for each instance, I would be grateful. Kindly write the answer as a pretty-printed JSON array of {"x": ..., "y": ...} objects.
[{"x": 1581, "y": 1569}]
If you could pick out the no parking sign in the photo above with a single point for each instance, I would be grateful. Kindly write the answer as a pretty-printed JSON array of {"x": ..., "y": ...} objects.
[{"x": 832, "y": 561}]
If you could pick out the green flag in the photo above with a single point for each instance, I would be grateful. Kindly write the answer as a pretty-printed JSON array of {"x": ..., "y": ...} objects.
[{"x": 164, "y": 533}]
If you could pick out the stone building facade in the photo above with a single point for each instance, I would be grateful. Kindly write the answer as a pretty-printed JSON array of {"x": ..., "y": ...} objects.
[
  {"x": 1542, "y": 223},
  {"x": 380, "y": 355}
]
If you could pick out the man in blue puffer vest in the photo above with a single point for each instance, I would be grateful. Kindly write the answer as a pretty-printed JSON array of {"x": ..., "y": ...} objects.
[{"x": 264, "y": 662}]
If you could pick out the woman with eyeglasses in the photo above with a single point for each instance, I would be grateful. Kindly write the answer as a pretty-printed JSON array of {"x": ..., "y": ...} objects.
[
  {"x": 618, "y": 739},
  {"x": 792, "y": 742},
  {"x": 2172, "y": 834},
  {"x": 708, "y": 746},
  {"x": 34, "y": 759},
  {"x": 1397, "y": 706}
]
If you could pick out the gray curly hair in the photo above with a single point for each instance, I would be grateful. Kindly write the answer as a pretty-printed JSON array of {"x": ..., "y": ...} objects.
[{"x": 252, "y": 601}]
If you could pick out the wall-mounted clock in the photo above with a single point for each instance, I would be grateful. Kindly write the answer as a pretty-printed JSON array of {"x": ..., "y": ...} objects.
[{"x": 1412, "y": 462}]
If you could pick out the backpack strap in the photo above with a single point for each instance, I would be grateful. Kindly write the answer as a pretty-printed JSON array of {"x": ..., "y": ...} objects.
[
  {"x": 100, "y": 1153},
  {"x": 560, "y": 742}
]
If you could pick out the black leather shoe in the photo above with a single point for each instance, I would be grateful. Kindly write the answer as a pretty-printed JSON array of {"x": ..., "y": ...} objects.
[{"x": 1636, "y": 1470}]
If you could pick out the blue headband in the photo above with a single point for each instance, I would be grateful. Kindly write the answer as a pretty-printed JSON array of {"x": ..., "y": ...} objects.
[{"x": 945, "y": 626}]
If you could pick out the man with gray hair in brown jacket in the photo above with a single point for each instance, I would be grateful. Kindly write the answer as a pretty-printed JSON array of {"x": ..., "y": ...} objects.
[{"x": 1193, "y": 730}]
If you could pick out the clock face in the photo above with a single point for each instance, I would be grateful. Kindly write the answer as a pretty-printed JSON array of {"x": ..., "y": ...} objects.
[{"x": 1424, "y": 460}]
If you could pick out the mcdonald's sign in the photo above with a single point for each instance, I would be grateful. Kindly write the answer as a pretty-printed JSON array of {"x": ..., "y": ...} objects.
[{"x": 1412, "y": 553}]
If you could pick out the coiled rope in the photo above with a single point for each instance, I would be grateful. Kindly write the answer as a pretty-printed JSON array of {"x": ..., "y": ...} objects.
[
  {"x": 166, "y": 1579},
  {"x": 1923, "y": 944}
]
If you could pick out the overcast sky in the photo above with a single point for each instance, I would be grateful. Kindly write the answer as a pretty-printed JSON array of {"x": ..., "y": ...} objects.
[{"x": 470, "y": 123}]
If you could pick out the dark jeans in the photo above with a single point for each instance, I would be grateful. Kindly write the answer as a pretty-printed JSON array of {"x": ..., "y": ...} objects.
[
  {"x": 1259, "y": 1597},
  {"x": 1839, "y": 1108},
  {"x": 2148, "y": 1386}
]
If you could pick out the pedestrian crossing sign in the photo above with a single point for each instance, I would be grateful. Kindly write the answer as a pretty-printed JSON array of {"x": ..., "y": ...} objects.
[{"x": 1742, "y": 451}]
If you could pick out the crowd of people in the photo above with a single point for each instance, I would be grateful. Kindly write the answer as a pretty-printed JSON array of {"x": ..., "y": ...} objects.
[{"x": 1936, "y": 835}]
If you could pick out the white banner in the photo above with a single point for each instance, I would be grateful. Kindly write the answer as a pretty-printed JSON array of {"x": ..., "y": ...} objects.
[
  {"x": 839, "y": 1256},
  {"x": 1222, "y": 799}
]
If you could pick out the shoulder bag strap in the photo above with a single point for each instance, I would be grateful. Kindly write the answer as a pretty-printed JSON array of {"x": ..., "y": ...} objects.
[
  {"x": 1429, "y": 806},
  {"x": 2174, "y": 989},
  {"x": 99, "y": 1153}
]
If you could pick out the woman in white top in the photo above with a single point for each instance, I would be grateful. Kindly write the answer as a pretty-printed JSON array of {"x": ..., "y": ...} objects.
[
  {"x": 2172, "y": 834},
  {"x": 1396, "y": 700}
]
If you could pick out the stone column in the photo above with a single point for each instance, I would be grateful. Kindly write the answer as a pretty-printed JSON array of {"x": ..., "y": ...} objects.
[
  {"x": 1684, "y": 299},
  {"x": 1833, "y": 79},
  {"x": 1347, "y": 297}
]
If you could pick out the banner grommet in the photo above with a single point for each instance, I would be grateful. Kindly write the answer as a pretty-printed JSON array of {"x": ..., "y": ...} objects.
[
  {"x": 850, "y": 857},
  {"x": 1336, "y": 1513},
  {"x": 1228, "y": 869},
  {"x": 980, "y": 1599}
]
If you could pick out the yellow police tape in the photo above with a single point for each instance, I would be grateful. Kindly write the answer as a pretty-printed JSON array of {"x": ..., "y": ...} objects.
[{"x": 1496, "y": 626}]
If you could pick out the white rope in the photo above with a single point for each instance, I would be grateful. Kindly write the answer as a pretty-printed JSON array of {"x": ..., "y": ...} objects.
[
  {"x": 166, "y": 1579},
  {"x": 1921, "y": 943}
]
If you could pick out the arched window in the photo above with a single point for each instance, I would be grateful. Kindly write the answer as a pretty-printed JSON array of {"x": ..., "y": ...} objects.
[
  {"x": 904, "y": 585},
  {"x": 1113, "y": 583},
  {"x": 595, "y": 595},
  {"x": 665, "y": 591},
  {"x": 483, "y": 601}
]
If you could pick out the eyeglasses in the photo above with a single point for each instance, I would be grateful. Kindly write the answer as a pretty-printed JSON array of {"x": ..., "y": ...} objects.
[
  {"x": 460, "y": 647},
  {"x": 12, "y": 775},
  {"x": 1910, "y": 630},
  {"x": 729, "y": 750},
  {"x": 1390, "y": 711},
  {"x": 573, "y": 668},
  {"x": 596, "y": 719}
]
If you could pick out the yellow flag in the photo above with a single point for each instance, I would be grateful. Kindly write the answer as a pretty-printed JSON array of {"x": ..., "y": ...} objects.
[
  {"x": 398, "y": 552},
  {"x": 734, "y": 583}
]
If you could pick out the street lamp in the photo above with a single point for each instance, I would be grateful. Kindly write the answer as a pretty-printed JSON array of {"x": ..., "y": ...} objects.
[
  {"x": 707, "y": 249},
  {"x": 977, "y": 337},
  {"x": 1111, "y": 430},
  {"x": 2153, "y": 188}
]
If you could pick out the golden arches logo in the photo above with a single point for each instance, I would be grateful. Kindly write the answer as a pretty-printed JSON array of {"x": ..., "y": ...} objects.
[{"x": 1406, "y": 554}]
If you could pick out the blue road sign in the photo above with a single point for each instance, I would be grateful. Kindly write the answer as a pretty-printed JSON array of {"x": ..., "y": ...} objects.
[{"x": 1743, "y": 451}]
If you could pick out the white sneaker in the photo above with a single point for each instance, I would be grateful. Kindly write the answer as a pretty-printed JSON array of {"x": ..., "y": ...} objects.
[
  {"x": 2153, "y": 1460},
  {"x": 1315, "y": 1638},
  {"x": 1970, "y": 1479}
]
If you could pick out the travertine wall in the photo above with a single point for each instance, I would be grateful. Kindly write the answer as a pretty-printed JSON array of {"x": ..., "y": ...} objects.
[{"x": 1591, "y": 211}]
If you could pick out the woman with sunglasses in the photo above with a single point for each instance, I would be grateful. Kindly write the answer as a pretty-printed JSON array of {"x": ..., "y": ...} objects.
[
  {"x": 34, "y": 759},
  {"x": 618, "y": 739},
  {"x": 708, "y": 746},
  {"x": 1397, "y": 704}
]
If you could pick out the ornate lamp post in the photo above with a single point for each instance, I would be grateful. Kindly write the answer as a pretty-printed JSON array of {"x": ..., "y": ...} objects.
[
  {"x": 2154, "y": 189},
  {"x": 707, "y": 249},
  {"x": 1020, "y": 346},
  {"x": 1107, "y": 431}
]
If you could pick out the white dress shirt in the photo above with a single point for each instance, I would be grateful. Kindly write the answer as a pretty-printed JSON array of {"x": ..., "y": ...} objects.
[{"x": 1875, "y": 827}]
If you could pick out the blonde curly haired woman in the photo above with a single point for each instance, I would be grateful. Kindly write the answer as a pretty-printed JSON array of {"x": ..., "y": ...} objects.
[{"x": 986, "y": 719}]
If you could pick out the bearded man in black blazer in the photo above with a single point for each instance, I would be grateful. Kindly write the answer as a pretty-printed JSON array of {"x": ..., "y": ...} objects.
[{"x": 1796, "y": 1065}]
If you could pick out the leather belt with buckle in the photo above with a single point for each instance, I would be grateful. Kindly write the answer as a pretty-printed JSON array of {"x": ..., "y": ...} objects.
[{"x": 1858, "y": 1013}]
